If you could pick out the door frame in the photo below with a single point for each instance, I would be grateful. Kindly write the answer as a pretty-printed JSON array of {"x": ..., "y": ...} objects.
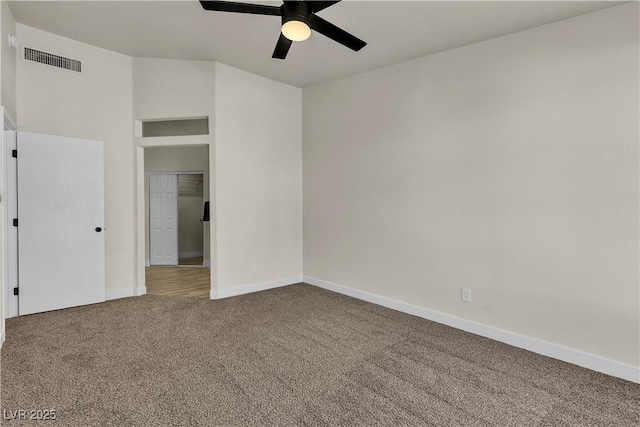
[
  {"x": 148, "y": 213},
  {"x": 181, "y": 141},
  {"x": 7, "y": 299}
]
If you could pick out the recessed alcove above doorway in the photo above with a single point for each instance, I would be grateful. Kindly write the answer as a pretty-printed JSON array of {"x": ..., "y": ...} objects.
[{"x": 184, "y": 126}]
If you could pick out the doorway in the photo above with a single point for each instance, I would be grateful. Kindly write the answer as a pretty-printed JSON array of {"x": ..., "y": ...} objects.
[{"x": 177, "y": 244}]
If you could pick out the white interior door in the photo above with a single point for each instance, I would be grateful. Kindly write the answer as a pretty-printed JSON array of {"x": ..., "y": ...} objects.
[
  {"x": 60, "y": 222},
  {"x": 163, "y": 219}
]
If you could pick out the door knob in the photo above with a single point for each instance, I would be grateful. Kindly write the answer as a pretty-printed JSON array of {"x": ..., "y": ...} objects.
[{"x": 98, "y": 229}]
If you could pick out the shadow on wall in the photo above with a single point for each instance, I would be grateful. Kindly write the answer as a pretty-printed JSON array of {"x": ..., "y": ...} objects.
[{"x": 190, "y": 216}]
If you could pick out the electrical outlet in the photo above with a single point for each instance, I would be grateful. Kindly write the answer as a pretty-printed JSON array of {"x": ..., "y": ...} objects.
[
  {"x": 254, "y": 267},
  {"x": 276, "y": 265},
  {"x": 466, "y": 295}
]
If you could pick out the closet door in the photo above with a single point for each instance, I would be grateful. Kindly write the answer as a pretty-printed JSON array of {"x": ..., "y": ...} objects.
[{"x": 163, "y": 219}]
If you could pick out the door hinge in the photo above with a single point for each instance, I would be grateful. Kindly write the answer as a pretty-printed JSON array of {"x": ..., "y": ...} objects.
[
  {"x": 15, "y": 291},
  {"x": 14, "y": 153},
  {"x": 15, "y": 222}
]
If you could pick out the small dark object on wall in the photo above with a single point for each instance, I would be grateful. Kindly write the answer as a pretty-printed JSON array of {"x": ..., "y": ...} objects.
[{"x": 205, "y": 215}]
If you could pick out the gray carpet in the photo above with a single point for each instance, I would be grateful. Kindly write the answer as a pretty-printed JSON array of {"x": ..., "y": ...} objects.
[{"x": 291, "y": 356}]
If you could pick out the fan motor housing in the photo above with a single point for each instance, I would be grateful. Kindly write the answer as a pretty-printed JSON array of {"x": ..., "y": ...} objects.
[{"x": 298, "y": 11}]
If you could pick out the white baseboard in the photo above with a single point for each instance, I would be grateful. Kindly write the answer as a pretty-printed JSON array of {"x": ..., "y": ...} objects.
[
  {"x": 1, "y": 339},
  {"x": 125, "y": 292},
  {"x": 190, "y": 254},
  {"x": 254, "y": 287},
  {"x": 589, "y": 361}
]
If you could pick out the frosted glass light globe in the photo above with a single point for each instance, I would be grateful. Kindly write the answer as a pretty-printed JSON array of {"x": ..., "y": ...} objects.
[{"x": 296, "y": 31}]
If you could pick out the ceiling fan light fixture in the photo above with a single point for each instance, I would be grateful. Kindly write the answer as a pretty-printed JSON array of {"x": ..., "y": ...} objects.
[
  {"x": 298, "y": 18},
  {"x": 296, "y": 31}
]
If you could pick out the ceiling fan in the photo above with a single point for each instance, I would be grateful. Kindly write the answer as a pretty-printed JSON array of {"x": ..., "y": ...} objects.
[{"x": 298, "y": 19}]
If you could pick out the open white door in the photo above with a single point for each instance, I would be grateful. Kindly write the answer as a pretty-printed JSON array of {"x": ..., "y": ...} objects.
[
  {"x": 163, "y": 219},
  {"x": 60, "y": 222}
]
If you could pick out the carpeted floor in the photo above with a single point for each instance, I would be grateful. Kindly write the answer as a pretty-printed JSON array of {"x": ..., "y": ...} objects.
[{"x": 291, "y": 356}]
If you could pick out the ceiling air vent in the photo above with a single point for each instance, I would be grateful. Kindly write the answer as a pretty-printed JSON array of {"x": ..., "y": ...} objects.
[{"x": 53, "y": 60}]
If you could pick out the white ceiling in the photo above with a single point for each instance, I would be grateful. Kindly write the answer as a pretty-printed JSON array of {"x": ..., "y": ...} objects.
[{"x": 395, "y": 31}]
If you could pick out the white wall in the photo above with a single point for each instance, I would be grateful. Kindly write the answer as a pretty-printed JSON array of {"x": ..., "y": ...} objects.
[
  {"x": 96, "y": 104},
  {"x": 8, "y": 106},
  {"x": 167, "y": 89},
  {"x": 175, "y": 159},
  {"x": 3, "y": 238},
  {"x": 8, "y": 62},
  {"x": 258, "y": 179},
  {"x": 508, "y": 166},
  {"x": 4, "y": 265}
]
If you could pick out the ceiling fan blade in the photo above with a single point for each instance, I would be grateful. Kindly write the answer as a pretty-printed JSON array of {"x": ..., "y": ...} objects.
[
  {"x": 282, "y": 47},
  {"x": 338, "y": 34},
  {"x": 232, "y": 6},
  {"x": 317, "y": 6}
]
